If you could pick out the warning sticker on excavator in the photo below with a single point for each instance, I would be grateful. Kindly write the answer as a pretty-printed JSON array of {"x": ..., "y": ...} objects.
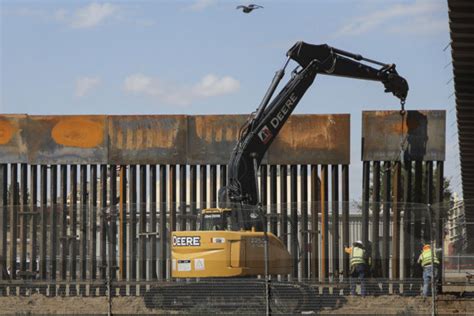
[
  {"x": 184, "y": 265},
  {"x": 199, "y": 264},
  {"x": 257, "y": 242}
]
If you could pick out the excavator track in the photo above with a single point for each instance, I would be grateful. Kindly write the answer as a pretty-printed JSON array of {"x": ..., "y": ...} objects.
[{"x": 234, "y": 295}]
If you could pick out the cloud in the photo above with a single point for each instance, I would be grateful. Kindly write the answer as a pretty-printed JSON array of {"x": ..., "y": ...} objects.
[
  {"x": 139, "y": 83},
  {"x": 85, "y": 17},
  {"x": 200, "y": 5},
  {"x": 86, "y": 84},
  {"x": 209, "y": 86},
  {"x": 400, "y": 14},
  {"x": 92, "y": 15}
]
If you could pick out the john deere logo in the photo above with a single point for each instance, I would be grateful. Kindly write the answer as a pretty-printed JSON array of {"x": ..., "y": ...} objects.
[{"x": 180, "y": 241}]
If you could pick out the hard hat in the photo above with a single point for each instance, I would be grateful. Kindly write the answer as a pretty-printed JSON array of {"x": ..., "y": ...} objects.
[
  {"x": 358, "y": 242},
  {"x": 426, "y": 247}
]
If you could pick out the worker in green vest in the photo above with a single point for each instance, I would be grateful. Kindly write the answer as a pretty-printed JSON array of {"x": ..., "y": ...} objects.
[
  {"x": 429, "y": 262},
  {"x": 358, "y": 264}
]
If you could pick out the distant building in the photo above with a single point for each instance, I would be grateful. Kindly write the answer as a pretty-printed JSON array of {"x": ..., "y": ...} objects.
[{"x": 456, "y": 237}]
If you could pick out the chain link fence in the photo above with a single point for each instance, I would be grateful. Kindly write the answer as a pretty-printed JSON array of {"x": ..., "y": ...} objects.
[{"x": 290, "y": 259}]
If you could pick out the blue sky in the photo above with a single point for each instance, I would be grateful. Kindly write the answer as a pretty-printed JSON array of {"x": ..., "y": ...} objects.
[{"x": 206, "y": 57}]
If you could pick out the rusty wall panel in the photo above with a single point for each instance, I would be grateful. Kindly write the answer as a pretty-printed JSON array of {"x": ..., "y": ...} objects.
[
  {"x": 307, "y": 139},
  {"x": 77, "y": 139},
  {"x": 165, "y": 139},
  {"x": 147, "y": 139},
  {"x": 211, "y": 138},
  {"x": 13, "y": 147},
  {"x": 422, "y": 134}
]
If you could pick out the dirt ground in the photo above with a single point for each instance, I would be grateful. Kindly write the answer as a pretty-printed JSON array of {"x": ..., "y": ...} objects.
[
  {"x": 382, "y": 305},
  {"x": 397, "y": 305},
  {"x": 39, "y": 304}
]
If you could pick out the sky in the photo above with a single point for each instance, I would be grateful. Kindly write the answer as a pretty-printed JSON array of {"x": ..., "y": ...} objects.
[{"x": 206, "y": 57}]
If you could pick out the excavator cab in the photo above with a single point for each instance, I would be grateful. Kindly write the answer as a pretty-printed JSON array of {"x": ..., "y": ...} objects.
[
  {"x": 223, "y": 247},
  {"x": 231, "y": 218}
]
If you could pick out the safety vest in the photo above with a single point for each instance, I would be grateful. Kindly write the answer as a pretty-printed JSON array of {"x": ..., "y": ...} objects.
[
  {"x": 357, "y": 256},
  {"x": 426, "y": 258}
]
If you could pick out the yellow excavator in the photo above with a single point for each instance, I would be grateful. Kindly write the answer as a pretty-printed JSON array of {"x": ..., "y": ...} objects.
[{"x": 232, "y": 240}]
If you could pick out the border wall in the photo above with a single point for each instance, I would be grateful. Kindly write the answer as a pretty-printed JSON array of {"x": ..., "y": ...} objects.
[{"x": 71, "y": 185}]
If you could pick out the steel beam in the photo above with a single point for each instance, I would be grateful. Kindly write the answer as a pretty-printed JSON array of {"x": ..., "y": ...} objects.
[
  {"x": 386, "y": 198},
  {"x": 3, "y": 218},
  {"x": 315, "y": 200},
  {"x": 365, "y": 202},
  {"x": 304, "y": 220},
  {"x": 324, "y": 224},
  {"x": 294, "y": 219},
  {"x": 14, "y": 202},
  {"x": 142, "y": 254},
  {"x": 163, "y": 273},
  {"x": 335, "y": 220},
  {"x": 273, "y": 200},
  {"x": 345, "y": 217},
  {"x": 153, "y": 273},
  {"x": 64, "y": 220},
  {"x": 397, "y": 197},
  {"x": 375, "y": 218}
]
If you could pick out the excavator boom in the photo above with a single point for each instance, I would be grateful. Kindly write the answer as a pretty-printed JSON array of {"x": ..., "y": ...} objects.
[{"x": 262, "y": 128}]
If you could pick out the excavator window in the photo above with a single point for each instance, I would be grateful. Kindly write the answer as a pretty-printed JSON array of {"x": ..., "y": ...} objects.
[{"x": 217, "y": 221}]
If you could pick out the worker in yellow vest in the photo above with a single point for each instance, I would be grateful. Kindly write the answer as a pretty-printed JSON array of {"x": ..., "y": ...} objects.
[
  {"x": 429, "y": 262},
  {"x": 358, "y": 264}
]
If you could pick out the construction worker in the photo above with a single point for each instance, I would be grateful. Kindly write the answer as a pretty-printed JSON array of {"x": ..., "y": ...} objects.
[
  {"x": 358, "y": 266},
  {"x": 426, "y": 259}
]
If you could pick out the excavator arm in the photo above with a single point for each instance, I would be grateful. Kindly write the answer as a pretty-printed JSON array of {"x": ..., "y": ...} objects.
[
  {"x": 346, "y": 64},
  {"x": 265, "y": 123}
]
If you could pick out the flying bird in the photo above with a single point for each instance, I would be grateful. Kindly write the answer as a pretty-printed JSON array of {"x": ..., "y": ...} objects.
[{"x": 249, "y": 8}]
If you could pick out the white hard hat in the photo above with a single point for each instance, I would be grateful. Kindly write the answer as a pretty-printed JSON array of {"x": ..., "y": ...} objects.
[{"x": 358, "y": 242}]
